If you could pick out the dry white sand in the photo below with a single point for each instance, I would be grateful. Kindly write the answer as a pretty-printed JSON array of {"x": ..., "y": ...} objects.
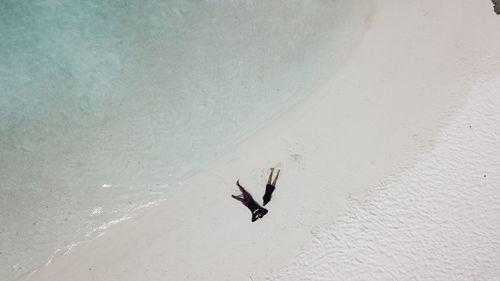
[
  {"x": 384, "y": 110},
  {"x": 438, "y": 221}
]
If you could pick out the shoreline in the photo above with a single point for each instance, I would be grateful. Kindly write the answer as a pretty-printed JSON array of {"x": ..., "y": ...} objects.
[
  {"x": 354, "y": 132},
  {"x": 177, "y": 106}
]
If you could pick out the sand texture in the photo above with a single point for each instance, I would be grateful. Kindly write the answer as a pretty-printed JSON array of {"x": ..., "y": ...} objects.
[{"x": 439, "y": 221}]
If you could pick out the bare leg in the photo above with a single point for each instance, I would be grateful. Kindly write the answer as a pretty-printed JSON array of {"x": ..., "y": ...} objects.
[
  {"x": 237, "y": 198},
  {"x": 246, "y": 195},
  {"x": 276, "y": 178},
  {"x": 270, "y": 176},
  {"x": 240, "y": 187}
]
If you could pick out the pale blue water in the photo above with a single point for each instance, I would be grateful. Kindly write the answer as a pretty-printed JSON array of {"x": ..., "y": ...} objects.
[{"x": 104, "y": 105}]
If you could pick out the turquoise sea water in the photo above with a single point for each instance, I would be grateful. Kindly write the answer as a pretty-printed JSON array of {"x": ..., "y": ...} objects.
[{"x": 104, "y": 105}]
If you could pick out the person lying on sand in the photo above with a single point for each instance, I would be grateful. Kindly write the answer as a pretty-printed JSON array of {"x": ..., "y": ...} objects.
[
  {"x": 247, "y": 200},
  {"x": 270, "y": 187}
]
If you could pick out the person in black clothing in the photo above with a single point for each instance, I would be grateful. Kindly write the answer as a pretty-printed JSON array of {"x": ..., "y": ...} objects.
[
  {"x": 247, "y": 200},
  {"x": 270, "y": 187}
]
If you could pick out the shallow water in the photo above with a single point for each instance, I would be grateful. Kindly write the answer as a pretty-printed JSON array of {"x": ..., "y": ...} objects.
[{"x": 105, "y": 105}]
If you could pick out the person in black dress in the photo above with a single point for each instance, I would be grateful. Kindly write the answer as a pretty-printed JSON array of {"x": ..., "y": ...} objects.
[
  {"x": 270, "y": 187},
  {"x": 247, "y": 200}
]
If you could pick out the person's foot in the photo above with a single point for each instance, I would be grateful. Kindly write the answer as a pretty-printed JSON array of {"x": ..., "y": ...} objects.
[{"x": 272, "y": 170}]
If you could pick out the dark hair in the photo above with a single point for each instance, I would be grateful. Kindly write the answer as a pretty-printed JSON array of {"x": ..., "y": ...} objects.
[{"x": 260, "y": 212}]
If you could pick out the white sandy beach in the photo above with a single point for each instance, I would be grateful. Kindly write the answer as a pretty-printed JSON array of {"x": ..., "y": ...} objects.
[
  {"x": 436, "y": 221},
  {"x": 374, "y": 123}
]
